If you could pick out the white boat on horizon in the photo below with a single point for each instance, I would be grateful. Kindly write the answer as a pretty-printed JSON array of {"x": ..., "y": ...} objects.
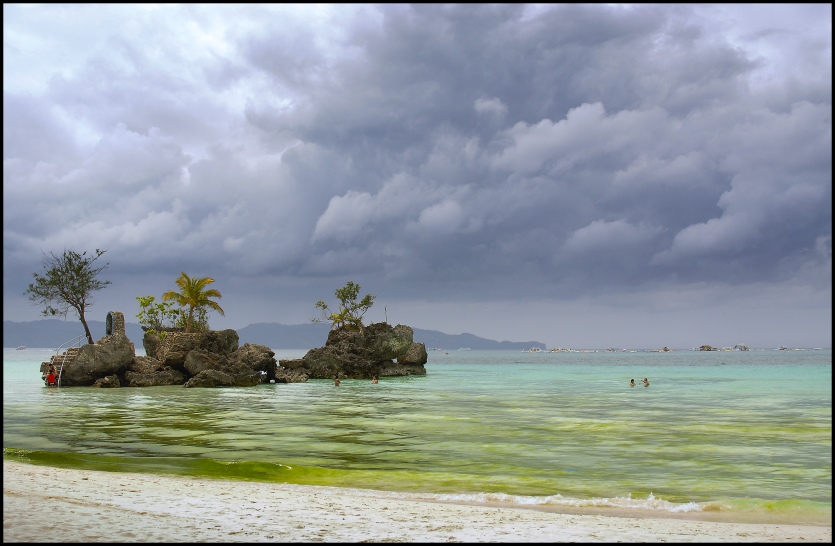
[{"x": 21, "y": 348}]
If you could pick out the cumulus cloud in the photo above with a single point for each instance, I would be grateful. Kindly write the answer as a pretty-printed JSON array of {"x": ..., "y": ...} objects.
[
  {"x": 445, "y": 217},
  {"x": 493, "y": 107},
  {"x": 601, "y": 236}
]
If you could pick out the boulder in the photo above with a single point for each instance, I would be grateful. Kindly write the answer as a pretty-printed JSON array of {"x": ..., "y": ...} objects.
[
  {"x": 199, "y": 360},
  {"x": 285, "y": 375},
  {"x": 160, "y": 378},
  {"x": 150, "y": 342},
  {"x": 144, "y": 364},
  {"x": 258, "y": 358},
  {"x": 222, "y": 342},
  {"x": 415, "y": 355},
  {"x": 246, "y": 366},
  {"x": 109, "y": 356},
  {"x": 231, "y": 376},
  {"x": 383, "y": 341},
  {"x": 109, "y": 382},
  {"x": 146, "y": 371},
  {"x": 393, "y": 369},
  {"x": 360, "y": 353},
  {"x": 175, "y": 346}
]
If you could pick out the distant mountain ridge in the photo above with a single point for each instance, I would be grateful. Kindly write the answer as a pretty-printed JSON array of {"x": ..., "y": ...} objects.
[{"x": 47, "y": 333}]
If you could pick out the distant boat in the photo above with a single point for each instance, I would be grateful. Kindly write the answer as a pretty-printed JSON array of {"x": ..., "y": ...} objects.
[
  {"x": 532, "y": 350},
  {"x": 464, "y": 349},
  {"x": 21, "y": 348}
]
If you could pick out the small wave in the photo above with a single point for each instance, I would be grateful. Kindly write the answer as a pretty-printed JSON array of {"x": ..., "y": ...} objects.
[{"x": 649, "y": 503}]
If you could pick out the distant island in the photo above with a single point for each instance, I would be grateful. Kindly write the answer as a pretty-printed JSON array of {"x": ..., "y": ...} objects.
[{"x": 48, "y": 333}]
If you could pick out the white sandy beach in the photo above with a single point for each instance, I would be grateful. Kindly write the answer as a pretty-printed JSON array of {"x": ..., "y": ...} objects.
[{"x": 43, "y": 504}]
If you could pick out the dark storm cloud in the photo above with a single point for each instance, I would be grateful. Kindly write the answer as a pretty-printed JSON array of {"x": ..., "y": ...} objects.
[{"x": 500, "y": 154}]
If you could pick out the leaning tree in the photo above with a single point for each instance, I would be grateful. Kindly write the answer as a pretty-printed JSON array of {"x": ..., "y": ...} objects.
[{"x": 68, "y": 281}]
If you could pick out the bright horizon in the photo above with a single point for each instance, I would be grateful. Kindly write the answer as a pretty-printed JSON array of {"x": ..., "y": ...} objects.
[{"x": 521, "y": 341}]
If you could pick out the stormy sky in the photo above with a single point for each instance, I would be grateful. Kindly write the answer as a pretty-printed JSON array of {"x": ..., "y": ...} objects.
[{"x": 586, "y": 176}]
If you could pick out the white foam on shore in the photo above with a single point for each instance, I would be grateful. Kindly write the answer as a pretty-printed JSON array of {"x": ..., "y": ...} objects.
[{"x": 651, "y": 503}]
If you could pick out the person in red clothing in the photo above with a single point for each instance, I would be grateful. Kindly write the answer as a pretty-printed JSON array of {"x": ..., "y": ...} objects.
[{"x": 50, "y": 377}]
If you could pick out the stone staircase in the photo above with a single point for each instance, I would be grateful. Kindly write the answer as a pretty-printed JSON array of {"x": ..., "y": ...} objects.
[
  {"x": 115, "y": 323},
  {"x": 59, "y": 360}
]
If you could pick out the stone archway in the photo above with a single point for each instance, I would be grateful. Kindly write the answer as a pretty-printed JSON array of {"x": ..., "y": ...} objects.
[{"x": 115, "y": 323}]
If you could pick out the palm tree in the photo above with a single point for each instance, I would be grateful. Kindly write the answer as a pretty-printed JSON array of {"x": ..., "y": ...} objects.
[{"x": 193, "y": 294}]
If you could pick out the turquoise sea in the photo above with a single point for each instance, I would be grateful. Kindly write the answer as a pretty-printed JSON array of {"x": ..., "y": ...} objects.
[{"x": 728, "y": 436}]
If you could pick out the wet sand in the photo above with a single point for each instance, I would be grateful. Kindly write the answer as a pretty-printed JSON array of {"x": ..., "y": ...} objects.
[{"x": 43, "y": 504}]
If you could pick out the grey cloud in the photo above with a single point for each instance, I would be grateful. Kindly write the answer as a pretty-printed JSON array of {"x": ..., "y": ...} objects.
[{"x": 432, "y": 153}]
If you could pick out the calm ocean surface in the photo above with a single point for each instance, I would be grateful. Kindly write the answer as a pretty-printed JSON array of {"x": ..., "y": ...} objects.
[{"x": 729, "y": 436}]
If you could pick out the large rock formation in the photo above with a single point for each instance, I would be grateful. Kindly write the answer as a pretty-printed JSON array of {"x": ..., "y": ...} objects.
[
  {"x": 214, "y": 359},
  {"x": 110, "y": 356},
  {"x": 207, "y": 359},
  {"x": 210, "y": 359},
  {"x": 377, "y": 349}
]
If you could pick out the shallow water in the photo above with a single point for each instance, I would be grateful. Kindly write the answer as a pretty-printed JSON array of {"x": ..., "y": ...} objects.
[{"x": 743, "y": 435}]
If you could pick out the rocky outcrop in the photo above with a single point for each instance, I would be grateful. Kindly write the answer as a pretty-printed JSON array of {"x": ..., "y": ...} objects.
[
  {"x": 206, "y": 359},
  {"x": 214, "y": 359},
  {"x": 211, "y": 359},
  {"x": 109, "y": 382},
  {"x": 258, "y": 358},
  {"x": 173, "y": 348},
  {"x": 229, "y": 376},
  {"x": 222, "y": 342},
  {"x": 244, "y": 367},
  {"x": 111, "y": 355},
  {"x": 147, "y": 371},
  {"x": 377, "y": 349},
  {"x": 291, "y": 375}
]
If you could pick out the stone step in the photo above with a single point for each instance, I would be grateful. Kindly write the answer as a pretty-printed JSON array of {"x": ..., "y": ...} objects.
[{"x": 62, "y": 358}]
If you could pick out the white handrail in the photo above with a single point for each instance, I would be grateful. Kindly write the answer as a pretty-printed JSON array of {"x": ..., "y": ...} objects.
[{"x": 76, "y": 341}]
